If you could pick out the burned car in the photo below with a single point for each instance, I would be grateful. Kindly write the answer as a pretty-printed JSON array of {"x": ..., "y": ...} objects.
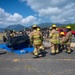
[{"x": 20, "y": 40}]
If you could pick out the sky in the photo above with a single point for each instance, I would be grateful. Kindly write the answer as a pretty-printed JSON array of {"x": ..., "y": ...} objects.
[{"x": 29, "y": 12}]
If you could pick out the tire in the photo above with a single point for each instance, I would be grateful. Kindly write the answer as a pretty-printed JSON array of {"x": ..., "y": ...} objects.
[{"x": 4, "y": 39}]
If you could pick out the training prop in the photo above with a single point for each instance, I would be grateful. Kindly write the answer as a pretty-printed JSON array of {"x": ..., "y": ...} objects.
[{"x": 18, "y": 51}]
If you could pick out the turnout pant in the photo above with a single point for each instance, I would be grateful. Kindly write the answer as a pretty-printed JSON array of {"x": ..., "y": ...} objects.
[{"x": 54, "y": 48}]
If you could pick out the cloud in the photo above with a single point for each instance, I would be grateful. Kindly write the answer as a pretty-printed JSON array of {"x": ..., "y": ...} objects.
[
  {"x": 29, "y": 20},
  {"x": 49, "y": 12},
  {"x": 9, "y": 19},
  {"x": 61, "y": 11},
  {"x": 37, "y": 4}
]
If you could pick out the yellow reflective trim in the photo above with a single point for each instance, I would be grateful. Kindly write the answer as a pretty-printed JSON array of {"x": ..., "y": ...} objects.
[
  {"x": 57, "y": 51},
  {"x": 55, "y": 41},
  {"x": 70, "y": 36},
  {"x": 68, "y": 51},
  {"x": 37, "y": 41},
  {"x": 68, "y": 43},
  {"x": 50, "y": 34},
  {"x": 56, "y": 34},
  {"x": 37, "y": 36},
  {"x": 52, "y": 51},
  {"x": 35, "y": 53}
]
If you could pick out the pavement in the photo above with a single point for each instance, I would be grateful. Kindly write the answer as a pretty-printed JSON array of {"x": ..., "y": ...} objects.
[{"x": 60, "y": 64}]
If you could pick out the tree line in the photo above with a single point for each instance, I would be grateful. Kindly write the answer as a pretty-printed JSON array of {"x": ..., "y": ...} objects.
[{"x": 72, "y": 26}]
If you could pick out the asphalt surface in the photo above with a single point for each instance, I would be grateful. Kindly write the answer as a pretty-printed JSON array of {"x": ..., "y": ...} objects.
[{"x": 60, "y": 64}]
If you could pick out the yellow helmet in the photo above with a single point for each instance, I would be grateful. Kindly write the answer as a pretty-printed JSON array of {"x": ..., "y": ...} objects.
[
  {"x": 50, "y": 28},
  {"x": 69, "y": 27},
  {"x": 62, "y": 33},
  {"x": 56, "y": 28},
  {"x": 38, "y": 29},
  {"x": 34, "y": 26},
  {"x": 54, "y": 25}
]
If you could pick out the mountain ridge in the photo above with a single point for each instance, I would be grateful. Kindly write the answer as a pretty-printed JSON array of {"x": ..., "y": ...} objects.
[{"x": 19, "y": 26}]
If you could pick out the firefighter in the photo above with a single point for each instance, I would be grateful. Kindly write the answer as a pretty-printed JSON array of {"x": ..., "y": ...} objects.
[
  {"x": 62, "y": 41},
  {"x": 50, "y": 29},
  {"x": 42, "y": 45},
  {"x": 12, "y": 33},
  {"x": 54, "y": 36},
  {"x": 58, "y": 41},
  {"x": 68, "y": 39},
  {"x": 35, "y": 37}
]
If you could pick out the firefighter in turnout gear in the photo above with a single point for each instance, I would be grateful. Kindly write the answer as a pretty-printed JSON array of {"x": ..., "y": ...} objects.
[
  {"x": 68, "y": 39},
  {"x": 54, "y": 36},
  {"x": 50, "y": 29},
  {"x": 42, "y": 45},
  {"x": 58, "y": 41},
  {"x": 36, "y": 40},
  {"x": 12, "y": 33},
  {"x": 62, "y": 41}
]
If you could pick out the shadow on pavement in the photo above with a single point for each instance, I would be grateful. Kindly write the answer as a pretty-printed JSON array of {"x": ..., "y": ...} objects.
[
  {"x": 72, "y": 50},
  {"x": 1, "y": 53},
  {"x": 44, "y": 53}
]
